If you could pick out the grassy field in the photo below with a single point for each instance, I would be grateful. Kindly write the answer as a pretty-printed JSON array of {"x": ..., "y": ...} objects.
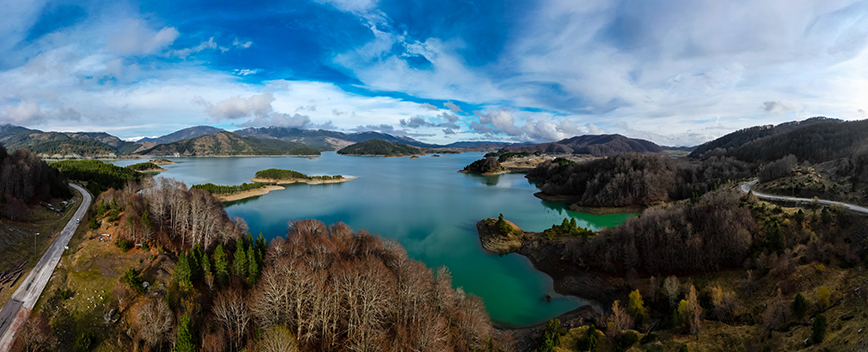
[{"x": 18, "y": 239}]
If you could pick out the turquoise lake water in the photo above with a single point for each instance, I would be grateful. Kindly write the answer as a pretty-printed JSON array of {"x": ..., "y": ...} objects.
[{"x": 422, "y": 203}]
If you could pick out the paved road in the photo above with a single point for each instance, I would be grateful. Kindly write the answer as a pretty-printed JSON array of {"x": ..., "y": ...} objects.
[
  {"x": 746, "y": 187},
  {"x": 15, "y": 312}
]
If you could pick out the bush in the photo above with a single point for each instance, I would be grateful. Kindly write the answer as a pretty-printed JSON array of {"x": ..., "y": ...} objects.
[
  {"x": 588, "y": 343},
  {"x": 146, "y": 247},
  {"x": 124, "y": 245},
  {"x": 134, "y": 281},
  {"x": 627, "y": 339},
  {"x": 551, "y": 336},
  {"x": 683, "y": 348},
  {"x": 651, "y": 337},
  {"x": 84, "y": 342},
  {"x": 818, "y": 329},
  {"x": 93, "y": 224}
]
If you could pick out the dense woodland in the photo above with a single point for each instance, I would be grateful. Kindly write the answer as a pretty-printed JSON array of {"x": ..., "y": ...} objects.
[
  {"x": 25, "y": 179},
  {"x": 71, "y": 146},
  {"x": 635, "y": 179},
  {"x": 739, "y": 138},
  {"x": 100, "y": 176},
  {"x": 712, "y": 233},
  {"x": 596, "y": 145},
  {"x": 318, "y": 288},
  {"x": 143, "y": 166},
  {"x": 379, "y": 147}
]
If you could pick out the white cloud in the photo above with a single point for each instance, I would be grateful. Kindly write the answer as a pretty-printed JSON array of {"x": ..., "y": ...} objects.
[
  {"x": 241, "y": 45},
  {"x": 134, "y": 37},
  {"x": 776, "y": 107},
  {"x": 502, "y": 121},
  {"x": 452, "y": 107},
  {"x": 237, "y": 107}
]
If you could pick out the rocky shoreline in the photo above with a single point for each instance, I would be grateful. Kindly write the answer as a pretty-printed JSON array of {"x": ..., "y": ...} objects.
[{"x": 547, "y": 256}]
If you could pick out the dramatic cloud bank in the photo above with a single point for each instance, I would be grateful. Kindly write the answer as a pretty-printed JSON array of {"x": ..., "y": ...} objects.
[{"x": 674, "y": 72}]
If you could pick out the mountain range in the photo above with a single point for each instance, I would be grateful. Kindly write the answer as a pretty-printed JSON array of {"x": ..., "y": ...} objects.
[{"x": 207, "y": 140}]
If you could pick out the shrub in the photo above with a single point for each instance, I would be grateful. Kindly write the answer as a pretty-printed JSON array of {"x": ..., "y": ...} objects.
[
  {"x": 627, "y": 339},
  {"x": 824, "y": 296},
  {"x": 124, "y": 245},
  {"x": 683, "y": 348},
  {"x": 84, "y": 342},
  {"x": 551, "y": 336},
  {"x": 820, "y": 268},
  {"x": 93, "y": 224},
  {"x": 818, "y": 329},
  {"x": 146, "y": 247},
  {"x": 649, "y": 338},
  {"x": 588, "y": 343},
  {"x": 133, "y": 280}
]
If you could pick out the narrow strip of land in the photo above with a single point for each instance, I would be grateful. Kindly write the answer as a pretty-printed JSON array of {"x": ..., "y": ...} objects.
[
  {"x": 746, "y": 188},
  {"x": 17, "y": 310}
]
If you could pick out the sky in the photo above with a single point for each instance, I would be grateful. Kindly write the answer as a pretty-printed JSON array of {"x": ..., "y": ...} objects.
[{"x": 673, "y": 72}]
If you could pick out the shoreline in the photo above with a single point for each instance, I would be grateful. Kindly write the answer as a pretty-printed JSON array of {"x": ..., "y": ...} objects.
[
  {"x": 301, "y": 180},
  {"x": 231, "y": 197},
  {"x": 568, "y": 200}
]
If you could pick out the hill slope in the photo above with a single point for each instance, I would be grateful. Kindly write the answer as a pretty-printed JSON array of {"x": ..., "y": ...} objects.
[
  {"x": 227, "y": 143},
  {"x": 379, "y": 147},
  {"x": 816, "y": 143},
  {"x": 597, "y": 145},
  {"x": 326, "y": 140},
  {"x": 187, "y": 133},
  {"x": 739, "y": 138},
  {"x": 16, "y": 137}
]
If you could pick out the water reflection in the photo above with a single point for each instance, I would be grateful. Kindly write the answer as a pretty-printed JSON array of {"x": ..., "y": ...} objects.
[{"x": 485, "y": 180}]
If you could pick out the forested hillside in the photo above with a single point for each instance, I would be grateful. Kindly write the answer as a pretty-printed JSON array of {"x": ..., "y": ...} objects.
[
  {"x": 318, "y": 288},
  {"x": 228, "y": 143},
  {"x": 71, "y": 146},
  {"x": 379, "y": 147},
  {"x": 596, "y": 145},
  {"x": 635, "y": 179},
  {"x": 100, "y": 176},
  {"x": 25, "y": 179},
  {"x": 187, "y": 133},
  {"x": 734, "y": 140}
]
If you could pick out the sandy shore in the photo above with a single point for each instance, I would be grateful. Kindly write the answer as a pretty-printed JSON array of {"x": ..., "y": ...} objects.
[
  {"x": 247, "y": 194},
  {"x": 301, "y": 180}
]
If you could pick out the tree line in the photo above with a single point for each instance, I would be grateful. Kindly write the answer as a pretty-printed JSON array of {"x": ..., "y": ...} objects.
[
  {"x": 281, "y": 174},
  {"x": 220, "y": 189},
  {"x": 635, "y": 179},
  {"x": 25, "y": 179},
  {"x": 100, "y": 176},
  {"x": 712, "y": 233}
]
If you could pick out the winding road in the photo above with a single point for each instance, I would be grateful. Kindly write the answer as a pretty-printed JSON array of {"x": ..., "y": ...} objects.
[
  {"x": 17, "y": 310},
  {"x": 746, "y": 188}
]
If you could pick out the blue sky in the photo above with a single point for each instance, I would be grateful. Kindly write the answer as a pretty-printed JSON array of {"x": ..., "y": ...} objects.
[{"x": 674, "y": 72}]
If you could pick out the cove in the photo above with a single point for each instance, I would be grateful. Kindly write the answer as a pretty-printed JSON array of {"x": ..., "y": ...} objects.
[{"x": 424, "y": 204}]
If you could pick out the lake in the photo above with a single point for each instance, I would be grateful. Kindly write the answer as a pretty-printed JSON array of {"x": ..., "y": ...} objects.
[{"x": 422, "y": 203}]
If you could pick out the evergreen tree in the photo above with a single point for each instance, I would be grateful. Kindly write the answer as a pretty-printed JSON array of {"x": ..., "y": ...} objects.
[
  {"x": 254, "y": 265},
  {"x": 261, "y": 244},
  {"x": 182, "y": 273},
  {"x": 146, "y": 223},
  {"x": 221, "y": 265},
  {"x": 196, "y": 263},
  {"x": 206, "y": 264},
  {"x": 239, "y": 261},
  {"x": 185, "y": 341}
]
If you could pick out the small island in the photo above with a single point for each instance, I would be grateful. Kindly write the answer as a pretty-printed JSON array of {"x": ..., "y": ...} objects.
[
  {"x": 283, "y": 177},
  {"x": 485, "y": 166},
  {"x": 147, "y": 167},
  {"x": 161, "y": 162},
  {"x": 237, "y": 192},
  {"x": 379, "y": 147}
]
